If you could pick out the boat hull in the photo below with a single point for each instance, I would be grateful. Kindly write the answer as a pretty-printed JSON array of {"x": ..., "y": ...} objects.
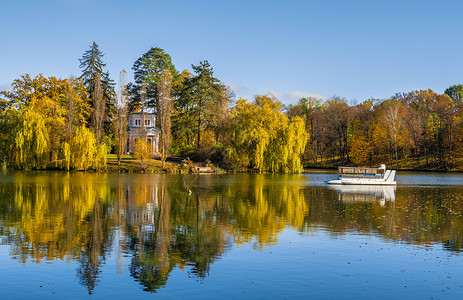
[{"x": 361, "y": 182}]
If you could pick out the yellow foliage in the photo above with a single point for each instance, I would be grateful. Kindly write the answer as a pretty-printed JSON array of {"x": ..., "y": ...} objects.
[
  {"x": 263, "y": 137},
  {"x": 85, "y": 154},
  {"x": 142, "y": 152},
  {"x": 360, "y": 150},
  {"x": 41, "y": 118},
  {"x": 30, "y": 144}
]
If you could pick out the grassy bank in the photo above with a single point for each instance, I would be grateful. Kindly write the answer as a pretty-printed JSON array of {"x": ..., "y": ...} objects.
[{"x": 131, "y": 165}]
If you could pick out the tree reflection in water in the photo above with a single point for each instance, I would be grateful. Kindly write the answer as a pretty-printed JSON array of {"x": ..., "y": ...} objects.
[{"x": 164, "y": 222}]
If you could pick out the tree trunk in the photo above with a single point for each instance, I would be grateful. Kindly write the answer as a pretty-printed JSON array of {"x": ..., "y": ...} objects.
[
  {"x": 199, "y": 131},
  {"x": 395, "y": 148}
]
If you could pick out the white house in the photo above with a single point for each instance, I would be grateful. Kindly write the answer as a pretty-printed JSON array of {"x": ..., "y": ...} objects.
[{"x": 142, "y": 126}]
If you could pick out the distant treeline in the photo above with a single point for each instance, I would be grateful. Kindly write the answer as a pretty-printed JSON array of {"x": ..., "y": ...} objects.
[
  {"x": 73, "y": 123},
  {"x": 418, "y": 129}
]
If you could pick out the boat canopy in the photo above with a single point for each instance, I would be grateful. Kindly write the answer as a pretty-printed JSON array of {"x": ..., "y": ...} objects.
[{"x": 360, "y": 171}]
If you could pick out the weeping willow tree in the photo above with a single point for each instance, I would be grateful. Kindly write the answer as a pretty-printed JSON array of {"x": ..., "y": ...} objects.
[
  {"x": 43, "y": 125},
  {"x": 84, "y": 153},
  {"x": 31, "y": 141},
  {"x": 297, "y": 139},
  {"x": 264, "y": 139}
]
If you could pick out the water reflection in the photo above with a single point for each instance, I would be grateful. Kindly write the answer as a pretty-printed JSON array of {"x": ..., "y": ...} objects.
[
  {"x": 164, "y": 222},
  {"x": 365, "y": 193}
]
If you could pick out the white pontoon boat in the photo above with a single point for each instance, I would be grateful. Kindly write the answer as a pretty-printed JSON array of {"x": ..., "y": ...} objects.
[{"x": 365, "y": 176}]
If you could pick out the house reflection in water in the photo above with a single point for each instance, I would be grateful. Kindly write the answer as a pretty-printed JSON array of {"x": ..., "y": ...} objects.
[
  {"x": 365, "y": 193},
  {"x": 142, "y": 203}
]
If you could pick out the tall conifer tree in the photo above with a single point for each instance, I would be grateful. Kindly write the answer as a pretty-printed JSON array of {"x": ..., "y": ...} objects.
[
  {"x": 92, "y": 66},
  {"x": 201, "y": 97},
  {"x": 148, "y": 69}
]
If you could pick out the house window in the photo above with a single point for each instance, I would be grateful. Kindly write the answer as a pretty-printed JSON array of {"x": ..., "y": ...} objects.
[
  {"x": 148, "y": 122},
  {"x": 137, "y": 122},
  {"x": 130, "y": 122}
]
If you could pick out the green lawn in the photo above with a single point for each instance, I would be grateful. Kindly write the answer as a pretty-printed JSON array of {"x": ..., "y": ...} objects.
[{"x": 130, "y": 164}]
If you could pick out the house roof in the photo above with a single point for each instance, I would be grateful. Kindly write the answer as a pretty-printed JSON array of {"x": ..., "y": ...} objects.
[{"x": 148, "y": 114}]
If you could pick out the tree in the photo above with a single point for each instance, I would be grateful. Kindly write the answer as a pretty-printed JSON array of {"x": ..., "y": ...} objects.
[
  {"x": 361, "y": 133},
  {"x": 76, "y": 105},
  {"x": 84, "y": 151},
  {"x": 120, "y": 122},
  {"x": 31, "y": 141},
  {"x": 93, "y": 76},
  {"x": 307, "y": 109},
  {"x": 143, "y": 152},
  {"x": 445, "y": 115},
  {"x": 264, "y": 139},
  {"x": 455, "y": 92},
  {"x": 393, "y": 122},
  {"x": 40, "y": 123},
  {"x": 221, "y": 121},
  {"x": 98, "y": 114},
  {"x": 165, "y": 112},
  {"x": 422, "y": 104},
  {"x": 148, "y": 69},
  {"x": 200, "y": 98},
  {"x": 183, "y": 129},
  {"x": 336, "y": 113}
]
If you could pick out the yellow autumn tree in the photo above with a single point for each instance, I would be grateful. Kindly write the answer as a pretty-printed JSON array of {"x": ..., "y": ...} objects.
[
  {"x": 143, "y": 153},
  {"x": 84, "y": 152},
  {"x": 31, "y": 141},
  {"x": 39, "y": 124},
  {"x": 264, "y": 139}
]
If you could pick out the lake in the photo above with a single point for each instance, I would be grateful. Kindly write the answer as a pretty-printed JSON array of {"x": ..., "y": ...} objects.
[{"x": 229, "y": 236}]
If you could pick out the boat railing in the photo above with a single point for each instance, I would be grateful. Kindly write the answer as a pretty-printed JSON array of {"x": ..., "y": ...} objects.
[
  {"x": 362, "y": 176},
  {"x": 360, "y": 171}
]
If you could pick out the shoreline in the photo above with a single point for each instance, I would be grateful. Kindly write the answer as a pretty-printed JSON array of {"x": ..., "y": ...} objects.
[
  {"x": 174, "y": 166},
  {"x": 179, "y": 170}
]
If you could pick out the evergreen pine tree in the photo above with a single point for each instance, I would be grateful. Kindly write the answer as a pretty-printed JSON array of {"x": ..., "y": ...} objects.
[
  {"x": 149, "y": 69},
  {"x": 201, "y": 98},
  {"x": 92, "y": 66}
]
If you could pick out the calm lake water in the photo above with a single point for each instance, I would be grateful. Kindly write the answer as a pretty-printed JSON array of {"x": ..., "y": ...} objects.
[{"x": 229, "y": 236}]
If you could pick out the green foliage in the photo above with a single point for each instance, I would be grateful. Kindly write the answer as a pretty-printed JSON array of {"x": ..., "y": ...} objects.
[
  {"x": 199, "y": 106},
  {"x": 165, "y": 114},
  {"x": 148, "y": 69},
  {"x": 43, "y": 122},
  {"x": 92, "y": 66},
  {"x": 109, "y": 142},
  {"x": 455, "y": 92},
  {"x": 93, "y": 75}
]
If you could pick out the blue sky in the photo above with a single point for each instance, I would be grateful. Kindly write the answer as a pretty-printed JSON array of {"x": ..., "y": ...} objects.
[{"x": 354, "y": 49}]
